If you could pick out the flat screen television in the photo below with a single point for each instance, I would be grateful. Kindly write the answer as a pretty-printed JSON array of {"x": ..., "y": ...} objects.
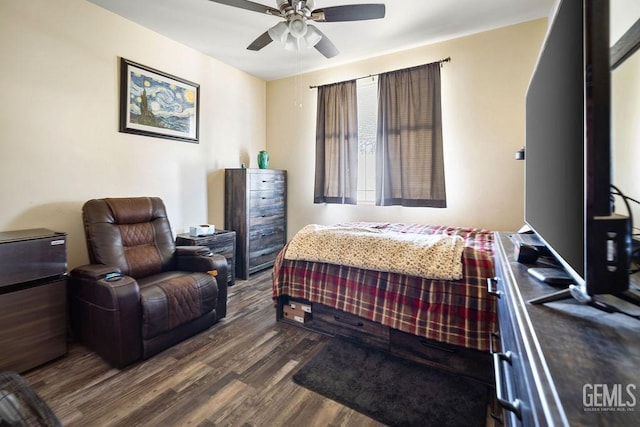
[{"x": 568, "y": 151}]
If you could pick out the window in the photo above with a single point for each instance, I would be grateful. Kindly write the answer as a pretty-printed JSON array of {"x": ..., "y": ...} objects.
[
  {"x": 380, "y": 140},
  {"x": 409, "y": 148},
  {"x": 336, "y": 144},
  {"x": 367, "y": 90}
]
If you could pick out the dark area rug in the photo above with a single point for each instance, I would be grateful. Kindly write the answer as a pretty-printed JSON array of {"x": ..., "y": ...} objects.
[{"x": 392, "y": 390}]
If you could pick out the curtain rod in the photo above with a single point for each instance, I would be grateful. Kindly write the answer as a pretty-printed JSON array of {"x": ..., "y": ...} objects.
[{"x": 447, "y": 59}]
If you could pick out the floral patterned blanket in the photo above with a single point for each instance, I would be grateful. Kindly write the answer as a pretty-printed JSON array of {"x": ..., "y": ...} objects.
[{"x": 435, "y": 256}]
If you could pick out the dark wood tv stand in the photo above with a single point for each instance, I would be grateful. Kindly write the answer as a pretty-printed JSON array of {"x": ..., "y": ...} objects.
[{"x": 562, "y": 362}]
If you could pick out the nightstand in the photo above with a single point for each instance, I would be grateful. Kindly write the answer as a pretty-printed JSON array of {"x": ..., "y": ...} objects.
[{"x": 221, "y": 242}]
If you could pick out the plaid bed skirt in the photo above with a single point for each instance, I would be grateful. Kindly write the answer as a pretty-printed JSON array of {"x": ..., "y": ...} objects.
[{"x": 459, "y": 312}]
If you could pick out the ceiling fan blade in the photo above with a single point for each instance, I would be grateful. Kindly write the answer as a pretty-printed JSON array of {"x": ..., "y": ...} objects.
[
  {"x": 325, "y": 46},
  {"x": 249, "y": 5},
  {"x": 260, "y": 42},
  {"x": 352, "y": 12}
]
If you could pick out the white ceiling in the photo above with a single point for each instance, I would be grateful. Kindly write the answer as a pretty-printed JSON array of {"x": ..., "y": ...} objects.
[{"x": 224, "y": 32}]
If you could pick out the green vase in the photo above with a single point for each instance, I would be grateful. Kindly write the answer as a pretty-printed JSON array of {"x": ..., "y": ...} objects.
[{"x": 263, "y": 159}]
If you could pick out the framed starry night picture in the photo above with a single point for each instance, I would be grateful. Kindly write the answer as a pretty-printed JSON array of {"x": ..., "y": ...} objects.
[{"x": 154, "y": 103}]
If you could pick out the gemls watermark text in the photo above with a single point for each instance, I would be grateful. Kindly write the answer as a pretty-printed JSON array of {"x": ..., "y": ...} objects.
[{"x": 609, "y": 397}]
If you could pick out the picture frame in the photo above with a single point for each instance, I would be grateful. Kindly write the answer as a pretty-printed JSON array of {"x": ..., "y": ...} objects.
[{"x": 157, "y": 104}]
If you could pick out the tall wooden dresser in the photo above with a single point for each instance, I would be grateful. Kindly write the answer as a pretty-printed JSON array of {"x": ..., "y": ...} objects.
[{"x": 255, "y": 207}]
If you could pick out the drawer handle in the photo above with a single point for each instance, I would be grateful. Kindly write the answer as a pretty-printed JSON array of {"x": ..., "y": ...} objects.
[
  {"x": 492, "y": 336},
  {"x": 512, "y": 406},
  {"x": 491, "y": 289},
  {"x": 347, "y": 322},
  {"x": 425, "y": 343}
]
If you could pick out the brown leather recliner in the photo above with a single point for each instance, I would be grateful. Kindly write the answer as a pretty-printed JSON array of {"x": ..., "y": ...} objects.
[{"x": 141, "y": 294}]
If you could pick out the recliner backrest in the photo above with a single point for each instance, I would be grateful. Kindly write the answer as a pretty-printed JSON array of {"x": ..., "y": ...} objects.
[{"x": 132, "y": 234}]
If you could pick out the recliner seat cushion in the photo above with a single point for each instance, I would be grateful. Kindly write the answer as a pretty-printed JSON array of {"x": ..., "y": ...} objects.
[{"x": 175, "y": 299}]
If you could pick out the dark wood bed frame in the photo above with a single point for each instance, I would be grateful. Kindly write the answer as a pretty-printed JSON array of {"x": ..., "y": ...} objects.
[{"x": 336, "y": 323}]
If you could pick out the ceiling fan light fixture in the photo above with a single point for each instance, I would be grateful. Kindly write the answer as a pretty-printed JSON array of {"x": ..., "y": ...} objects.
[
  {"x": 292, "y": 43},
  {"x": 312, "y": 37},
  {"x": 310, "y": 4},
  {"x": 279, "y": 32},
  {"x": 297, "y": 26}
]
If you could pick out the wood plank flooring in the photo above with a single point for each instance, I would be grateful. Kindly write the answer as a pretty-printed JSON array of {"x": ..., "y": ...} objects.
[{"x": 236, "y": 373}]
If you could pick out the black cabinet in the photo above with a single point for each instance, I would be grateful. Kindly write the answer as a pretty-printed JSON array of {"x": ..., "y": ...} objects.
[
  {"x": 33, "y": 298},
  {"x": 222, "y": 242}
]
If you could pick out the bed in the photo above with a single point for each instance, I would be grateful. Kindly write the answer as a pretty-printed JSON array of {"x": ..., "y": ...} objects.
[{"x": 403, "y": 313}]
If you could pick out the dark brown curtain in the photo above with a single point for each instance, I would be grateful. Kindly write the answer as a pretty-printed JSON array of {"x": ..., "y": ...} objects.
[
  {"x": 336, "y": 144},
  {"x": 409, "y": 158}
]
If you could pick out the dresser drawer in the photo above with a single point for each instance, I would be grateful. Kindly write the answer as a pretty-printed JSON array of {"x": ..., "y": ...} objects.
[
  {"x": 339, "y": 323},
  {"x": 261, "y": 237},
  {"x": 267, "y": 180},
  {"x": 469, "y": 362},
  {"x": 512, "y": 376},
  {"x": 260, "y": 199},
  {"x": 266, "y": 217},
  {"x": 510, "y": 369},
  {"x": 265, "y": 242},
  {"x": 263, "y": 258}
]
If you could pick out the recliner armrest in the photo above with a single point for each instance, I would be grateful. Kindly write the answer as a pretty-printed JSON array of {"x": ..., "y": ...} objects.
[
  {"x": 106, "y": 312},
  {"x": 192, "y": 251},
  {"x": 94, "y": 271},
  {"x": 198, "y": 259}
]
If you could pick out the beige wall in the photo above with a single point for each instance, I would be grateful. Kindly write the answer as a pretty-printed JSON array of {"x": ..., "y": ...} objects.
[
  {"x": 625, "y": 87},
  {"x": 483, "y": 92},
  {"x": 60, "y": 145},
  {"x": 59, "y": 139}
]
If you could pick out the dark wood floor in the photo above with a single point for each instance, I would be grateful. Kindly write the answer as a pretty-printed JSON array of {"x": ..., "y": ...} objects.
[{"x": 236, "y": 373}]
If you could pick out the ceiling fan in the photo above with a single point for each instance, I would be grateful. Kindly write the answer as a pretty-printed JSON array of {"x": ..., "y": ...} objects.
[{"x": 295, "y": 32}]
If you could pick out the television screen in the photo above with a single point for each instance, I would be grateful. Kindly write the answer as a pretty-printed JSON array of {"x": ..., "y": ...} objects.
[
  {"x": 555, "y": 149},
  {"x": 568, "y": 151}
]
